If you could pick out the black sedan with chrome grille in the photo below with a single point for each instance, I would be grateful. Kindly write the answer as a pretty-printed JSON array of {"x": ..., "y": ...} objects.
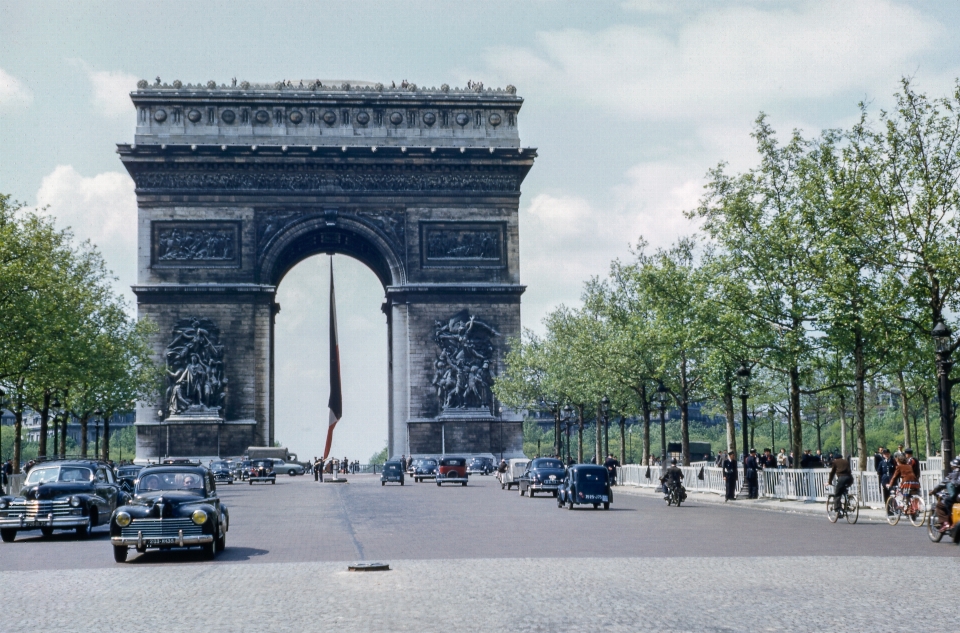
[
  {"x": 545, "y": 474},
  {"x": 174, "y": 507}
]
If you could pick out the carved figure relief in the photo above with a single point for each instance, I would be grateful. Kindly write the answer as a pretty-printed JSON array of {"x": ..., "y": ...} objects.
[
  {"x": 194, "y": 367},
  {"x": 196, "y": 243},
  {"x": 463, "y": 369},
  {"x": 462, "y": 243}
]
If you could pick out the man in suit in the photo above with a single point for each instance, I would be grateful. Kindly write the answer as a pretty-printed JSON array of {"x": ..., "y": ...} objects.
[
  {"x": 730, "y": 476},
  {"x": 751, "y": 477}
]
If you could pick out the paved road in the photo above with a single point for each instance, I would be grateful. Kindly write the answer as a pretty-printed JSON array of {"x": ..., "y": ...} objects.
[{"x": 477, "y": 559}]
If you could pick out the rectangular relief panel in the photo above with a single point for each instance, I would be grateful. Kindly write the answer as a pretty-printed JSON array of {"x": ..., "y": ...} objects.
[
  {"x": 192, "y": 244},
  {"x": 463, "y": 244}
]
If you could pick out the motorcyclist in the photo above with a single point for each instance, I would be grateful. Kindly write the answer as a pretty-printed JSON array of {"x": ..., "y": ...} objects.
[
  {"x": 672, "y": 477},
  {"x": 947, "y": 491},
  {"x": 841, "y": 470}
]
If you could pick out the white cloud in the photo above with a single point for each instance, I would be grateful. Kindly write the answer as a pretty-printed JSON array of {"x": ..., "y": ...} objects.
[
  {"x": 102, "y": 209},
  {"x": 111, "y": 89},
  {"x": 13, "y": 91}
]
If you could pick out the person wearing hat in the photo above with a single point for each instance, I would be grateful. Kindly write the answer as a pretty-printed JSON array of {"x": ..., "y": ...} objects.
[
  {"x": 673, "y": 477},
  {"x": 730, "y": 476},
  {"x": 751, "y": 477},
  {"x": 912, "y": 461}
]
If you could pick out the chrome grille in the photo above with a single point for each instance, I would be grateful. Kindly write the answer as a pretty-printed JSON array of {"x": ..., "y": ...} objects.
[
  {"x": 33, "y": 510},
  {"x": 158, "y": 528}
]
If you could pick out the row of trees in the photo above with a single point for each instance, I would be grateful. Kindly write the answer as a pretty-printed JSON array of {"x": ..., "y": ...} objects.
[
  {"x": 821, "y": 271},
  {"x": 68, "y": 346}
]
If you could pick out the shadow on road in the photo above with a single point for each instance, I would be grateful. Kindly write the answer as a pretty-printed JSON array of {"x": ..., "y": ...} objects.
[{"x": 194, "y": 555}]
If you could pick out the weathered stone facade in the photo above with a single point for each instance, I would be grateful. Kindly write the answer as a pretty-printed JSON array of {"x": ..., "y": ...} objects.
[{"x": 236, "y": 185}]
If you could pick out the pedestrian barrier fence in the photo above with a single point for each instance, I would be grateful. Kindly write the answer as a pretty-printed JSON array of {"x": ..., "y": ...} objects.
[
  {"x": 781, "y": 483},
  {"x": 14, "y": 484}
]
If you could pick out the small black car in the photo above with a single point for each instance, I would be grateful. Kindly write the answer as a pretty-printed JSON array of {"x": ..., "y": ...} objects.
[
  {"x": 75, "y": 494},
  {"x": 544, "y": 474},
  {"x": 221, "y": 472},
  {"x": 392, "y": 471},
  {"x": 173, "y": 506},
  {"x": 261, "y": 471},
  {"x": 585, "y": 484},
  {"x": 480, "y": 465},
  {"x": 426, "y": 469}
]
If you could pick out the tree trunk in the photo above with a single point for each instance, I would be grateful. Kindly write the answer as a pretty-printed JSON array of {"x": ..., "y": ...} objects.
[
  {"x": 623, "y": 439},
  {"x": 684, "y": 410},
  {"x": 44, "y": 425},
  {"x": 843, "y": 424},
  {"x": 796, "y": 430},
  {"x": 598, "y": 440},
  {"x": 904, "y": 410},
  {"x": 580, "y": 434},
  {"x": 926, "y": 415},
  {"x": 17, "y": 432},
  {"x": 105, "y": 440},
  {"x": 731, "y": 416},
  {"x": 645, "y": 409},
  {"x": 63, "y": 434},
  {"x": 83, "y": 434},
  {"x": 859, "y": 400},
  {"x": 819, "y": 441}
]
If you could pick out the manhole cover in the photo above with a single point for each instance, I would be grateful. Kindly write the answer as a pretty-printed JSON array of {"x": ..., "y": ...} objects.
[{"x": 369, "y": 567}]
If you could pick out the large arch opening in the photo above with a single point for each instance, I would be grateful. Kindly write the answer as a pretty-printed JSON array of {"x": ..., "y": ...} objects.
[{"x": 301, "y": 349}]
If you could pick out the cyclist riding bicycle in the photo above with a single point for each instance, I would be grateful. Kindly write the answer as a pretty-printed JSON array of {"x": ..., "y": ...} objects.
[
  {"x": 906, "y": 476},
  {"x": 672, "y": 478},
  {"x": 840, "y": 470}
]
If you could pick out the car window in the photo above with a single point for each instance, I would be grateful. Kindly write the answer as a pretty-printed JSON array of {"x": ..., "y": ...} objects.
[
  {"x": 549, "y": 463},
  {"x": 42, "y": 476},
  {"x": 170, "y": 481}
]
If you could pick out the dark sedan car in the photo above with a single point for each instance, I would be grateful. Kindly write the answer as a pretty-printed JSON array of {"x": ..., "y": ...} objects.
[
  {"x": 174, "y": 506},
  {"x": 127, "y": 476},
  {"x": 61, "y": 495},
  {"x": 585, "y": 484},
  {"x": 481, "y": 465},
  {"x": 452, "y": 470},
  {"x": 426, "y": 469},
  {"x": 221, "y": 472},
  {"x": 261, "y": 471},
  {"x": 544, "y": 474},
  {"x": 392, "y": 471}
]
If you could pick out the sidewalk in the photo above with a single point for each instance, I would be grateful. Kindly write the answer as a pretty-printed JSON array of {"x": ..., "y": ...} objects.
[{"x": 818, "y": 508}]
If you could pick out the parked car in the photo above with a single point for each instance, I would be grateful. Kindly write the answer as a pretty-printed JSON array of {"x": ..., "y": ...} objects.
[
  {"x": 480, "y": 465},
  {"x": 242, "y": 470},
  {"x": 426, "y": 469},
  {"x": 544, "y": 474},
  {"x": 173, "y": 506},
  {"x": 452, "y": 470},
  {"x": 585, "y": 484},
  {"x": 221, "y": 472},
  {"x": 127, "y": 476},
  {"x": 62, "y": 495},
  {"x": 261, "y": 471},
  {"x": 392, "y": 471},
  {"x": 515, "y": 469},
  {"x": 412, "y": 468},
  {"x": 290, "y": 468}
]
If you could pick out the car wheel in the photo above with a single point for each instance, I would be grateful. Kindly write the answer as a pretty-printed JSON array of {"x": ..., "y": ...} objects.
[
  {"x": 383, "y": 483},
  {"x": 520, "y": 490},
  {"x": 530, "y": 492},
  {"x": 438, "y": 483},
  {"x": 401, "y": 482},
  {"x": 120, "y": 553},
  {"x": 464, "y": 484},
  {"x": 83, "y": 531},
  {"x": 291, "y": 472},
  {"x": 251, "y": 482},
  {"x": 7, "y": 535},
  {"x": 46, "y": 531},
  {"x": 209, "y": 550},
  {"x": 596, "y": 505},
  {"x": 570, "y": 504},
  {"x": 502, "y": 486},
  {"x": 606, "y": 505},
  {"x": 273, "y": 481},
  {"x": 222, "y": 542}
]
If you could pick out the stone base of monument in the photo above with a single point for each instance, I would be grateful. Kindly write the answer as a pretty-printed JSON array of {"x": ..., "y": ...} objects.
[
  {"x": 338, "y": 480},
  {"x": 196, "y": 415}
]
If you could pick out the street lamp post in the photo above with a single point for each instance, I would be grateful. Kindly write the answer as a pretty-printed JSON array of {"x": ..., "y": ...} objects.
[
  {"x": 662, "y": 399},
  {"x": 605, "y": 410},
  {"x": 500, "y": 413},
  {"x": 942, "y": 339},
  {"x": 565, "y": 417},
  {"x": 743, "y": 377},
  {"x": 96, "y": 444},
  {"x": 773, "y": 437},
  {"x": 56, "y": 426}
]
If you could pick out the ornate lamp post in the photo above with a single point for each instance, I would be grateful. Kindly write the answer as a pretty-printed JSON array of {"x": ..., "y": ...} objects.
[
  {"x": 743, "y": 377},
  {"x": 605, "y": 411},
  {"x": 565, "y": 417},
  {"x": 662, "y": 399},
  {"x": 500, "y": 414},
  {"x": 943, "y": 342},
  {"x": 56, "y": 426},
  {"x": 96, "y": 445},
  {"x": 773, "y": 437}
]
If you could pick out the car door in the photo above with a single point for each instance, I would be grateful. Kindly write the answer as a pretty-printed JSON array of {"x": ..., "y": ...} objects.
[{"x": 107, "y": 488}]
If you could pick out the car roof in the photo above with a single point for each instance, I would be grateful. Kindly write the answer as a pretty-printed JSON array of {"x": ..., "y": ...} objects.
[
  {"x": 519, "y": 459},
  {"x": 89, "y": 463},
  {"x": 172, "y": 468},
  {"x": 588, "y": 467}
]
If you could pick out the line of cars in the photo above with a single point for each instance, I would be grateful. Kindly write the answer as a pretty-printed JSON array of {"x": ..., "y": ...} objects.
[
  {"x": 580, "y": 484},
  {"x": 162, "y": 506}
]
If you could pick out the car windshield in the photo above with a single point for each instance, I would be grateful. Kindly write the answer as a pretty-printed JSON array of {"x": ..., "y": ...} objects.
[
  {"x": 263, "y": 464},
  {"x": 592, "y": 477},
  {"x": 393, "y": 467},
  {"x": 129, "y": 470},
  {"x": 52, "y": 474},
  {"x": 452, "y": 462},
  {"x": 218, "y": 465},
  {"x": 170, "y": 481},
  {"x": 429, "y": 462},
  {"x": 548, "y": 463}
]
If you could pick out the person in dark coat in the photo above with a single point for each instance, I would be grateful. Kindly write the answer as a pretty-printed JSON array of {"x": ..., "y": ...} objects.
[
  {"x": 730, "y": 476},
  {"x": 316, "y": 469},
  {"x": 751, "y": 478},
  {"x": 877, "y": 458},
  {"x": 885, "y": 473}
]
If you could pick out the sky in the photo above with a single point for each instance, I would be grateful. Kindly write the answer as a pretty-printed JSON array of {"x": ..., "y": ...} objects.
[{"x": 629, "y": 104}]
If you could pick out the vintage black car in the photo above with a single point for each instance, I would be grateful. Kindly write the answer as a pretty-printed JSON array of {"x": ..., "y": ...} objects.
[
  {"x": 480, "y": 465},
  {"x": 127, "y": 476},
  {"x": 261, "y": 471},
  {"x": 221, "y": 472},
  {"x": 392, "y": 471},
  {"x": 585, "y": 484},
  {"x": 241, "y": 470},
  {"x": 544, "y": 474},
  {"x": 173, "y": 506},
  {"x": 426, "y": 469},
  {"x": 62, "y": 495}
]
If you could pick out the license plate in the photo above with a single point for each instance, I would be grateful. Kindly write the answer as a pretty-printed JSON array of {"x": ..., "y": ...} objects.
[
  {"x": 605, "y": 498},
  {"x": 160, "y": 541}
]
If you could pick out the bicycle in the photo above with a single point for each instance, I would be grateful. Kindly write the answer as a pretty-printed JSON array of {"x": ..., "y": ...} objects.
[
  {"x": 909, "y": 504},
  {"x": 849, "y": 508}
]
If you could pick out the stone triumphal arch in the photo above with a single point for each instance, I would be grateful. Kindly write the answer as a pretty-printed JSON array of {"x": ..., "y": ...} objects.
[{"x": 237, "y": 184}]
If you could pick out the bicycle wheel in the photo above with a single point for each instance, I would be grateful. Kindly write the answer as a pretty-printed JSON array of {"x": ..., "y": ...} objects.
[
  {"x": 852, "y": 510},
  {"x": 918, "y": 511},
  {"x": 893, "y": 511},
  {"x": 933, "y": 528},
  {"x": 831, "y": 512}
]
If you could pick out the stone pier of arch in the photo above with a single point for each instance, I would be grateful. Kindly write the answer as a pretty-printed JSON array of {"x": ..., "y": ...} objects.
[{"x": 421, "y": 185}]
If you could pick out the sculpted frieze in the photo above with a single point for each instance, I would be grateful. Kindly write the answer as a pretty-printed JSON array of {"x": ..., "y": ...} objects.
[
  {"x": 462, "y": 243},
  {"x": 178, "y": 244}
]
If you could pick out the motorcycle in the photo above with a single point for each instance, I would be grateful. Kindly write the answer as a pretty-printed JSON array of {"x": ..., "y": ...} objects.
[
  {"x": 675, "y": 495},
  {"x": 934, "y": 525}
]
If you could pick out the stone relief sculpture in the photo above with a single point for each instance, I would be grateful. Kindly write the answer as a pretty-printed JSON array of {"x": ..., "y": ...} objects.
[
  {"x": 184, "y": 244},
  {"x": 464, "y": 364},
  {"x": 195, "y": 380},
  {"x": 460, "y": 244}
]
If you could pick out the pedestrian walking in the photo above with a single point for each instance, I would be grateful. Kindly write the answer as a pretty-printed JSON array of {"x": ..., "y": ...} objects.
[
  {"x": 887, "y": 466},
  {"x": 782, "y": 458},
  {"x": 751, "y": 478},
  {"x": 730, "y": 476},
  {"x": 719, "y": 461},
  {"x": 877, "y": 458}
]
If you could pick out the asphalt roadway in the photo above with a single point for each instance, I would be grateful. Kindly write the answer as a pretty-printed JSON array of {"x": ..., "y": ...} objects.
[{"x": 481, "y": 558}]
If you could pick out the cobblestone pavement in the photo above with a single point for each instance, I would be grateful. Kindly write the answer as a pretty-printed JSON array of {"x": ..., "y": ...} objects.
[{"x": 478, "y": 558}]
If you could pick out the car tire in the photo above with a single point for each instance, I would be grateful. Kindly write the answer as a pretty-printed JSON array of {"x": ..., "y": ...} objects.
[
  {"x": 120, "y": 553},
  {"x": 383, "y": 483},
  {"x": 47, "y": 532},
  {"x": 438, "y": 483},
  {"x": 502, "y": 486},
  {"x": 251, "y": 482},
  {"x": 401, "y": 482},
  {"x": 530, "y": 492},
  {"x": 570, "y": 504},
  {"x": 464, "y": 484},
  {"x": 520, "y": 490},
  {"x": 209, "y": 550},
  {"x": 606, "y": 505},
  {"x": 8, "y": 535},
  {"x": 83, "y": 531},
  {"x": 274, "y": 480},
  {"x": 222, "y": 542},
  {"x": 291, "y": 472},
  {"x": 596, "y": 505}
]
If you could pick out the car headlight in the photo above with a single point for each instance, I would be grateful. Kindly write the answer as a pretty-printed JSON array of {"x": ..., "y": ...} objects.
[
  {"x": 199, "y": 517},
  {"x": 122, "y": 519},
  {"x": 3, "y": 505},
  {"x": 75, "y": 502}
]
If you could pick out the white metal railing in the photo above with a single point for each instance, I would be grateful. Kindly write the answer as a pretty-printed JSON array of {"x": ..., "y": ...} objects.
[{"x": 14, "y": 483}]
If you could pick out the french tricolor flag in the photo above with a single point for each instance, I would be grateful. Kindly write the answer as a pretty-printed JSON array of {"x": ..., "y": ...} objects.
[{"x": 336, "y": 397}]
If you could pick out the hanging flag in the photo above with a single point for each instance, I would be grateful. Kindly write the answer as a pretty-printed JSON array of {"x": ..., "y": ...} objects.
[{"x": 335, "y": 403}]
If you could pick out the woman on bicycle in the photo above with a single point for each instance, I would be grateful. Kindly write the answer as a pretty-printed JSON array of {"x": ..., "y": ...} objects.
[{"x": 905, "y": 475}]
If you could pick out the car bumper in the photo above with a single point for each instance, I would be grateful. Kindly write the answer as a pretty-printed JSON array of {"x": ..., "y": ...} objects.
[
  {"x": 544, "y": 487},
  {"x": 451, "y": 480},
  {"x": 177, "y": 540},
  {"x": 425, "y": 476},
  {"x": 22, "y": 523},
  {"x": 261, "y": 478}
]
